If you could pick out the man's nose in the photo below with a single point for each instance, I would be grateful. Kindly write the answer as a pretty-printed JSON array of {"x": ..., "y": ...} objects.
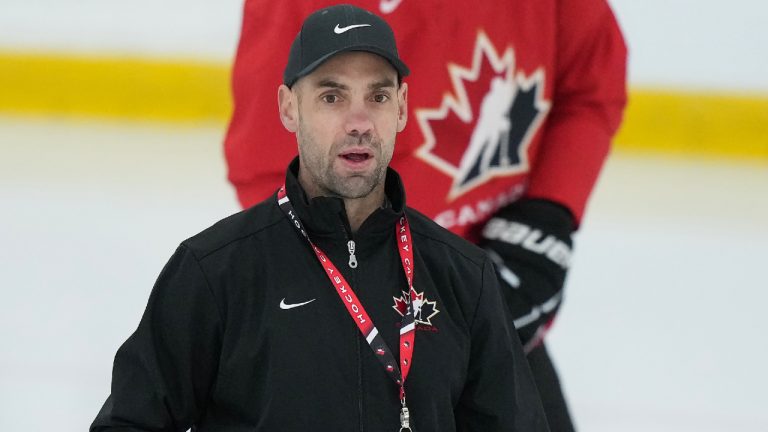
[{"x": 358, "y": 121}]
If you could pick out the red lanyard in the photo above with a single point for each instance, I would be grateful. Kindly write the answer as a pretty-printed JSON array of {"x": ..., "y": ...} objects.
[{"x": 398, "y": 371}]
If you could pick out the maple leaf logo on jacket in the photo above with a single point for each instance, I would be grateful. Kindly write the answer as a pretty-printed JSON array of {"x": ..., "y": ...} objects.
[
  {"x": 499, "y": 108},
  {"x": 423, "y": 309}
]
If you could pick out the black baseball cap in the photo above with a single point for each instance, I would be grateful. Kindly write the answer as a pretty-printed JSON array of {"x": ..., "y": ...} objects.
[{"x": 336, "y": 29}]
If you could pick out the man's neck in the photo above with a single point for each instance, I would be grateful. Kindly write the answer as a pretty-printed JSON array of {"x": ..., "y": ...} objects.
[{"x": 359, "y": 209}]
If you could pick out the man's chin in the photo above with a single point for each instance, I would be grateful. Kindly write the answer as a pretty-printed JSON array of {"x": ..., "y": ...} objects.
[{"x": 354, "y": 187}]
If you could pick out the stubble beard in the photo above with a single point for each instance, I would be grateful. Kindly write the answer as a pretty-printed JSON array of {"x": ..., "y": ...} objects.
[{"x": 320, "y": 167}]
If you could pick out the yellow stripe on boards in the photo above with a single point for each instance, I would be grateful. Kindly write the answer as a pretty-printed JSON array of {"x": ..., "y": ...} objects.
[
  {"x": 670, "y": 121},
  {"x": 702, "y": 123},
  {"x": 122, "y": 88}
]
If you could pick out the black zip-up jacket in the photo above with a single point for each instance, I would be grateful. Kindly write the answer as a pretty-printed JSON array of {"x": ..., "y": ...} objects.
[{"x": 224, "y": 344}]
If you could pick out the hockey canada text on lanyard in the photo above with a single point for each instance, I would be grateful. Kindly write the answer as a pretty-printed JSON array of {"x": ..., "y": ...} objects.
[{"x": 398, "y": 371}]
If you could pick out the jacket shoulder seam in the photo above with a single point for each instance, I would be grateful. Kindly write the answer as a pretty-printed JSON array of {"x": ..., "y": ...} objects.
[
  {"x": 480, "y": 294},
  {"x": 207, "y": 282},
  {"x": 234, "y": 240},
  {"x": 474, "y": 260}
]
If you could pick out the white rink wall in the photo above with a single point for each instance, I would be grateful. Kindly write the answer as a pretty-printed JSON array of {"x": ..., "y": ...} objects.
[
  {"x": 688, "y": 43},
  {"x": 169, "y": 28}
]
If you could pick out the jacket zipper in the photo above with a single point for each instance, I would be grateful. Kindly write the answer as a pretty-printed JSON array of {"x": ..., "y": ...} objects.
[
  {"x": 352, "y": 257},
  {"x": 353, "y": 265}
]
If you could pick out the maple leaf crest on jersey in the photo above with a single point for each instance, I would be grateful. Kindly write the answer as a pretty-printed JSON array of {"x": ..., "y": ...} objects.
[
  {"x": 498, "y": 107},
  {"x": 423, "y": 309}
]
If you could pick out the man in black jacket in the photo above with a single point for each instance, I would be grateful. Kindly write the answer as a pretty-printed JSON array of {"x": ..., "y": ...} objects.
[{"x": 330, "y": 306}]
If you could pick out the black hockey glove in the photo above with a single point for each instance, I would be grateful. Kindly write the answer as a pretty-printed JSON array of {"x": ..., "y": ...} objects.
[{"x": 530, "y": 243}]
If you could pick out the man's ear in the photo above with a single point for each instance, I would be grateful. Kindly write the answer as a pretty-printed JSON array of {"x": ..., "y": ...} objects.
[
  {"x": 402, "y": 106},
  {"x": 288, "y": 106}
]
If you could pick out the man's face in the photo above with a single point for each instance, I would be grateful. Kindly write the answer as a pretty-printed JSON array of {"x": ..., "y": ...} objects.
[{"x": 346, "y": 114}]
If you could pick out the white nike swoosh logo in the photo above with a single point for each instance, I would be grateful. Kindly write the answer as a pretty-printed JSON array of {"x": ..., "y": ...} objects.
[
  {"x": 389, "y": 6},
  {"x": 286, "y": 306},
  {"x": 340, "y": 30}
]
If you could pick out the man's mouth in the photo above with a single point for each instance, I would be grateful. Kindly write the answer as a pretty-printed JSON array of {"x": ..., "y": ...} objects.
[
  {"x": 356, "y": 154},
  {"x": 356, "y": 157}
]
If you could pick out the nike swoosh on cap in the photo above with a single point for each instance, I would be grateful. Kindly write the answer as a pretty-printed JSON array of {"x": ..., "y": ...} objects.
[
  {"x": 340, "y": 30},
  {"x": 285, "y": 306}
]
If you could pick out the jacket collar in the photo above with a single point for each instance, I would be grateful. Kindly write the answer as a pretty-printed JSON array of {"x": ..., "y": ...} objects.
[{"x": 327, "y": 216}]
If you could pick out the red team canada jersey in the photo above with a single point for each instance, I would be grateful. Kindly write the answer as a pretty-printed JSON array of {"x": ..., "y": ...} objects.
[{"x": 506, "y": 99}]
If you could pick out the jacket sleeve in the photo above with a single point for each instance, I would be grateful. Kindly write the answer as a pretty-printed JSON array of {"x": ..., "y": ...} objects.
[
  {"x": 163, "y": 373},
  {"x": 588, "y": 104},
  {"x": 500, "y": 390}
]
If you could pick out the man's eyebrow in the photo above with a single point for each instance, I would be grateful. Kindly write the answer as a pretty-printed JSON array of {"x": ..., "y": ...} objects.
[
  {"x": 331, "y": 84},
  {"x": 381, "y": 84}
]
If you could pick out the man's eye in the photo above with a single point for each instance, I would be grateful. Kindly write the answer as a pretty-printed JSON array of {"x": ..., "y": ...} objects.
[
  {"x": 380, "y": 98},
  {"x": 330, "y": 98}
]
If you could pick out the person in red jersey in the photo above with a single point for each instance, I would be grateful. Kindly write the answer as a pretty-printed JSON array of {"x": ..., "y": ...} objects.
[{"x": 513, "y": 108}]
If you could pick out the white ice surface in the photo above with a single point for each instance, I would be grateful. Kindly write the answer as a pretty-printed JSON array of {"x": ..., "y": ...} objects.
[
  {"x": 663, "y": 328},
  {"x": 664, "y": 323}
]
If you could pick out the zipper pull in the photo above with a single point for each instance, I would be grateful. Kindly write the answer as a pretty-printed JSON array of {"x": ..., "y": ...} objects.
[{"x": 352, "y": 257}]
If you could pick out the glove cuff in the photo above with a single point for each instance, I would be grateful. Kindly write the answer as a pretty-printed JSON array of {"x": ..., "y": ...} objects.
[
  {"x": 541, "y": 213},
  {"x": 532, "y": 231}
]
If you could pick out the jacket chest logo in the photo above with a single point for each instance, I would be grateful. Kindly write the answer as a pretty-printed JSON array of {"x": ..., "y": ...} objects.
[
  {"x": 498, "y": 107},
  {"x": 423, "y": 309}
]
